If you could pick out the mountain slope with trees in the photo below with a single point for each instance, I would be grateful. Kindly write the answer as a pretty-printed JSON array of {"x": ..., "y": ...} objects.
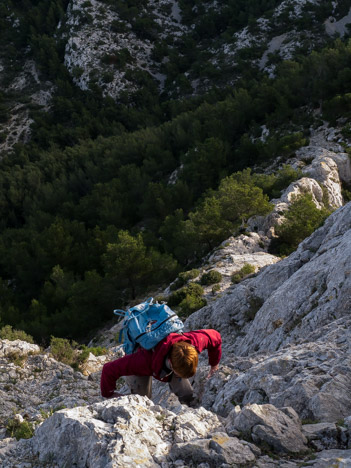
[{"x": 147, "y": 175}]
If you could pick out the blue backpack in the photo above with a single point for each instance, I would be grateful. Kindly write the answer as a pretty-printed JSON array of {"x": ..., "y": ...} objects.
[{"x": 146, "y": 324}]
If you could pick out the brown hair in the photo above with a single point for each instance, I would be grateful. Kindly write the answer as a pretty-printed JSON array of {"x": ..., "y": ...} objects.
[{"x": 184, "y": 359}]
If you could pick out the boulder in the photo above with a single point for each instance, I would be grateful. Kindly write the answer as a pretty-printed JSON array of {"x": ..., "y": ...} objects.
[
  {"x": 325, "y": 170},
  {"x": 302, "y": 187},
  {"x": 215, "y": 451},
  {"x": 331, "y": 459},
  {"x": 322, "y": 435},
  {"x": 17, "y": 348},
  {"x": 266, "y": 424}
]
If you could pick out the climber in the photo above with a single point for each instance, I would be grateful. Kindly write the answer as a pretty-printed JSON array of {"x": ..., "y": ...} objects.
[{"x": 173, "y": 360}]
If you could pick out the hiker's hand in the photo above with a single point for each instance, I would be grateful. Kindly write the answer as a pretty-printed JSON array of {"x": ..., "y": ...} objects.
[{"x": 212, "y": 371}]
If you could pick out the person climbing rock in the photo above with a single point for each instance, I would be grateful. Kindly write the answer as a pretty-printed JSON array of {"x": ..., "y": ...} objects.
[{"x": 173, "y": 360}]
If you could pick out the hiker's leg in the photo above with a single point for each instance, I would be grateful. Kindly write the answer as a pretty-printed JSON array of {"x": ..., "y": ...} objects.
[
  {"x": 140, "y": 385},
  {"x": 183, "y": 389}
]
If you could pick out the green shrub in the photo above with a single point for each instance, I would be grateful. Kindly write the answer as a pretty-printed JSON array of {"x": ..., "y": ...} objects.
[
  {"x": 346, "y": 131},
  {"x": 176, "y": 297},
  {"x": 68, "y": 352},
  {"x": 188, "y": 299},
  {"x": 184, "y": 277},
  {"x": 346, "y": 191},
  {"x": 216, "y": 288},
  {"x": 20, "y": 430},
  {"x": 17, "y": 358},
  {"x": 191, "y": 304},
  {"x": 211, "y": 277},
  {"x": 85, "y": 351},
  {"x": 284, "y": 177},
  {"x": 301, "y": 220},
  {"x": 62, "y": 350},
  {"x": 160, "y": 298},
  {"x": 346, "y": 194},
  {"x": 47, "y": 414},
  {"x": 246, "y": 270},
  {"x": 7, "y": 333},
  {"x": 189, "y": 275},
  {"x": 236, "y": 278},
  {"x": 273, "y": 184}
]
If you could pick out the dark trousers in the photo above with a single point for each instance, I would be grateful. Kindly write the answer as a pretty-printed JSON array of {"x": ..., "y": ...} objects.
[{"x": 142, "y": 385}]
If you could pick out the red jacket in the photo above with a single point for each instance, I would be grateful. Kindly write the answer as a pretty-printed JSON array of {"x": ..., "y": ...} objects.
[{"x": 151, "y": 362}]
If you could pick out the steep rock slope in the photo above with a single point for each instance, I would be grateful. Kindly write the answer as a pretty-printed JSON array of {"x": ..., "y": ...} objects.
[{"x": 296, "y": 349}]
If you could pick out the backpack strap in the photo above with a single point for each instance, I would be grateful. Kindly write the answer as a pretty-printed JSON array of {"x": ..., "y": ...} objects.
[
  {"x": 120, "y": 312},
  {"x": 123, "y": 313}
]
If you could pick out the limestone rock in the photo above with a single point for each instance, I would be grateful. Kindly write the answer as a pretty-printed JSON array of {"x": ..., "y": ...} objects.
[
  {"x": 266, "y": 423},
  {"x": 18, "y": 348},
  {"x": 219, "y": 449},
  {"x": 286, "y": 332},
  {"x": 234, "y": 253},
  {"x": 322, "y": 436},
  {"x": 301, "y": 187},
  {"x": 312, "y": 378},
  {"x": 331, "y": 458},
  {"x": 313, "y": 295},
  {"x": 292, "y": 298},
  {"x": 37, "y": 384},
  {"x": 326, "y": 171},
  {"x": 93, "y": 365},
  {"x": 102, "y": 47},
  {"x": 129, "y": 431}
]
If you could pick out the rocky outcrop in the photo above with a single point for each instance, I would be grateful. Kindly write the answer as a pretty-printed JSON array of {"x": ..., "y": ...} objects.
[
  {"x": 105, "y": 49},
  {"x": 26, "y": 87},
  {"x": 280, "y": 429},
  {"x": 33, "y": 384},
  {"x": 233, "y": 254},
  {"x": 17, "y": 348},
  {"x": 104, "y": 435},
  {"x": 324, "y": 173}
]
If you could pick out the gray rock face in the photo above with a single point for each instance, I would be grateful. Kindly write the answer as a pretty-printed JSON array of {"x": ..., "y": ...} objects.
[
  {"x": 313, "y": 295},
  {"x": 291, "y": 326},
  {"x": 17, "y": 348},
  {"x": 25, "y": 86},
  {"x": 329, "y": 169},
  {"x": 129, "y": 431},
  {"x": 103, "y": 48},
  {"x": 265, "y": 423},
  {"x": 332, "y": 458},
  {"x": 34, "y": 384},
  {"x": 298, "y": 295},
  {"x": 215, "y": 451},
  {"x": 301, "y": 187},
  {"x": 324, "y": 435},
  {"x": 312, "y": 378}
]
